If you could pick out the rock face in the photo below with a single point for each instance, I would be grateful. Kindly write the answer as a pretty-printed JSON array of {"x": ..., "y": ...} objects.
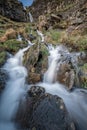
[
  {"x": 13, "y": 9},
  {"x": 61, "y": 13},
  {"x": 44, "y": 112}
]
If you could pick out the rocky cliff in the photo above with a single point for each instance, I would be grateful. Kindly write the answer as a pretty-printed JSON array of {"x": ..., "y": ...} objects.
[
  {"x": 14, "y": 10},
  {"x": 69, "y": 12}
]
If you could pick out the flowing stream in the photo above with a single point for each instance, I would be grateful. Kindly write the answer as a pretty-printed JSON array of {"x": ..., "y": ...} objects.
[
  {"x": 15, "y": 90},
  {"x": 75, "y": 101}
]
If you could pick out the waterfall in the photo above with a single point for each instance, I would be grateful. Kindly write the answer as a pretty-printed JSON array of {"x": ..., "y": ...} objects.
[
  {"x": 75, "y": 101},
  {"x": 14, "y": 90},
  {"x": 53, "y": 62},
  {"x": 19, "y": 38},
  {"x": 31, "y": 17},
  {"x": 41, "y": 35}
]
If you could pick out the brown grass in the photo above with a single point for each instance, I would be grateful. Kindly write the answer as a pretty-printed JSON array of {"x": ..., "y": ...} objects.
[{"x": 9, "y": 34}]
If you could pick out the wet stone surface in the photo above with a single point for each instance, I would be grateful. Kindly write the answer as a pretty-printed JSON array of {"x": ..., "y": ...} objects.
[{"x": 42, "y": 111}]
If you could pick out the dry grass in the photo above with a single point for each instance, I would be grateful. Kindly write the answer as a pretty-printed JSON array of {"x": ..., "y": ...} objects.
[{"x": 9, "y": 34}]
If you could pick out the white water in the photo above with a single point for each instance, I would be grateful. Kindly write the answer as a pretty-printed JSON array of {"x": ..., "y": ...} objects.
[
  {"x": 53, "y": 64},
  {"x": 75, "y": 101},
  {"x": 30, "y": 43},
  {"x": 14, "y": 90},
  {"x": 19, "y": 38},
  {"x": 31, "y": 17},
  {"x": 41, "y": 35}
]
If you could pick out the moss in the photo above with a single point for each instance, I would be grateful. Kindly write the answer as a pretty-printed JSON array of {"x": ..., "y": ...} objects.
[
  {"x": 53, "y": 36},
  {"x": 2, "y": 32},
  {"x": 84, "y": 67},
  {"x": 12, "y": 45},
  {"x": 82, "y": 43},
  {"x": 84, "y": 75},
  {"x": 2, "y": 57},
  {"x": 77, "y": 42},
  {"x": 44, "y": 51}
]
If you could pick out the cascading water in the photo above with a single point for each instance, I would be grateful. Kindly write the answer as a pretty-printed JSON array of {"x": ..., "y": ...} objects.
[
  {"x": 14, "y": 90},
  {"x": 75, "y": 101},
  {"x": 19, "y": 38},
  {"x": 31, "y": 17},
  {"x": 41, "y": 35}
]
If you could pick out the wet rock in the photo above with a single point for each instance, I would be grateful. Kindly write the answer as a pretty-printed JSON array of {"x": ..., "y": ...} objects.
[
  {"x": 36, "y": 91},
  {"x": 34, "y": 78},
  {"x": 66, "y": 75},
  {"x": 3, "y": 78},
  {"x": 31, "y": 37},
  {"x": 44, "y": 112}
]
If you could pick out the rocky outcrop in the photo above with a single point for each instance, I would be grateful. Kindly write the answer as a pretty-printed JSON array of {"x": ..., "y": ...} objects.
[
  {"x": 61, "y": 13},
  {"x": 35, "y": 60},
  {"x": 14, "y": 10},
  {"x": 43, "y": 112}
]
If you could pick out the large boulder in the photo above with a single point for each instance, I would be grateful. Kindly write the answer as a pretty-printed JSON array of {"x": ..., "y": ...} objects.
[{"x": 43, "y": 112}]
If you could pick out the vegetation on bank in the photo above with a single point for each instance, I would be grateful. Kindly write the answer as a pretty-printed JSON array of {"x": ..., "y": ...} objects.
[
  {"x": 2, "y": 57},
  {"x": 75, "y": 42},
  {"x": 9, "y": 31}
]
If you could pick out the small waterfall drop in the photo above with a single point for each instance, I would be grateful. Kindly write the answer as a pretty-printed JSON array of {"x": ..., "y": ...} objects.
[
  {"x": 41, "y": 35},
  {"x": 53, "y": 59},
  {"x": 31, "y": 17},
  {"x": 19, "y": 38},
  {"x": 14, "y": 90}
]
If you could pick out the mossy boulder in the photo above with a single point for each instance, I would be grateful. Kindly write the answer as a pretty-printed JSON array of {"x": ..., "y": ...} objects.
[{"x": 35, "y": 60}]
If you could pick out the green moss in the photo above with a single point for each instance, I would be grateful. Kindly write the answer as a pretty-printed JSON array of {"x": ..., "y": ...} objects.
[
  {"x": 84, "y": 67},
  {"x": 75, "y": 41},
  {"x": 44, "y": 51},
  {"x": 12, "y": 45},
  {"x": 84, "y": 76},
  {"x": 2, "y": 57},
  {"x": 2, "y": 32},
  {"x": 82, "y": 43},
  {"x": 54, "y": 36}
]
